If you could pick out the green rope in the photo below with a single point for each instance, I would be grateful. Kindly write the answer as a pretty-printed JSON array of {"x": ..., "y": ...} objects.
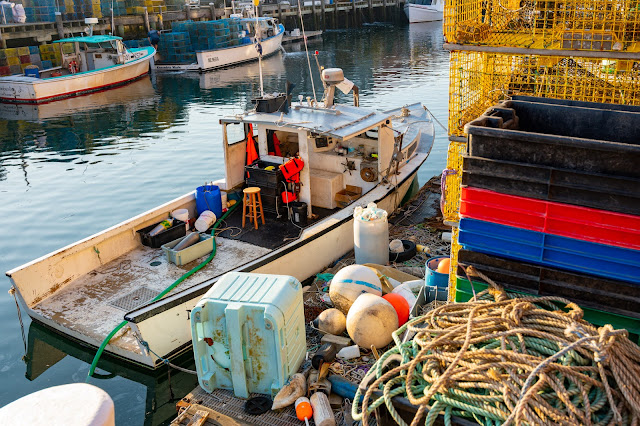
[
  {"x": 484, "y": 404},
  {"x": 107, "y": 339}
]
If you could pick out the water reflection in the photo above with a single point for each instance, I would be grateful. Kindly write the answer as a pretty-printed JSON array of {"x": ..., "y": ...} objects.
[{"x": 158, "y": 391}]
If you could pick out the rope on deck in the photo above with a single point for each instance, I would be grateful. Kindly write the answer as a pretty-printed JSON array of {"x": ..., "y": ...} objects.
[{"x": 502, "y": 360}]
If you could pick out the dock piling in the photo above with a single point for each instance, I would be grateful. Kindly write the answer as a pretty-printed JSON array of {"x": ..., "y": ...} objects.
[{"x": 146, "y": 19}]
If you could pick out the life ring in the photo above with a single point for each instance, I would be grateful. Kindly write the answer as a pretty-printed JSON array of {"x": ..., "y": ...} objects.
[{"x": 73, "y": 67}]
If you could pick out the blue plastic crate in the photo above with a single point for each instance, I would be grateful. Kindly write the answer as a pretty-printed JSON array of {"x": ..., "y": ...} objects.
[
  {"x": 550, "y": 250},
  {"x": 46, "y": 65}
]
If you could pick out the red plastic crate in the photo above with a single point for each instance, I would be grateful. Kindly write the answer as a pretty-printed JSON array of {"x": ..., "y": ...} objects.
[
  {"x": 25, "y": 59},
  {"x": 582, "y": 223},
  {"x": 5, "y": 71}
]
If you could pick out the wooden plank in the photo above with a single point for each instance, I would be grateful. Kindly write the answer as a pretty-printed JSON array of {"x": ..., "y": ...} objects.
[{"x": 199, "y": 418}]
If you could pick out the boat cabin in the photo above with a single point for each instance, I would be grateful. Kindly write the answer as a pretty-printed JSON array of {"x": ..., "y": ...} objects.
[
  {"x": 267, "y": 27},
  {"x": 90, "y": 53},
  {"x": 346, "y": 151}
]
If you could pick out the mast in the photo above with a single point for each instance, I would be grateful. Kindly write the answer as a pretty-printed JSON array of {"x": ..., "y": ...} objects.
[{"x": 258, "y": 45}]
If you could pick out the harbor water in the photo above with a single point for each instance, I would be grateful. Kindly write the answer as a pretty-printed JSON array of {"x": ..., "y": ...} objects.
[{"x": 69, "y": 169}]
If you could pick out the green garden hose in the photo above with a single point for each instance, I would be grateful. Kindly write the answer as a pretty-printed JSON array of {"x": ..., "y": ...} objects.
[{"x": 107, "y": 339}]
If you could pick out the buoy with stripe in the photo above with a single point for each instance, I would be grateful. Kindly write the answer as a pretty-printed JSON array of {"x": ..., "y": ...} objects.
[{"x": 349, "y": 283}]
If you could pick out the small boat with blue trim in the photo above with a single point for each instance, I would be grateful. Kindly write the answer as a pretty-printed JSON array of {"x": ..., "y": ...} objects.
[{"x": 95, "y": 63}]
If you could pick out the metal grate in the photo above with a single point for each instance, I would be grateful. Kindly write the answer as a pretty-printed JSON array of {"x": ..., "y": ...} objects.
[
  {"x": 224, "y": 402},
  {"x": 134, "y": 299},
  {"x": 594, "y": 25},
  {"x": 479, "y": 79}
]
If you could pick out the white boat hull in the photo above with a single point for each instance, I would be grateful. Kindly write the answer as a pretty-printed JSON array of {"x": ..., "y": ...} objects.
[
  {"x": 164, "y": 326},
  {"x": 423, "y": 13},
  {"x": 219, "y": 58},
  {"x": 21, "y": 89}
]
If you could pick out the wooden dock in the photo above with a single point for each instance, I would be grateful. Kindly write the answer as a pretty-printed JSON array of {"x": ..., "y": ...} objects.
[
  {"x": 300, "y": 37},
  {"x": 317, "y": 16}
]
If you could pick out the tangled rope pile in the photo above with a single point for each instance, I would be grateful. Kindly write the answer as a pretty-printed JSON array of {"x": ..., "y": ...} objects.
[{"x": 507, "y": 361}]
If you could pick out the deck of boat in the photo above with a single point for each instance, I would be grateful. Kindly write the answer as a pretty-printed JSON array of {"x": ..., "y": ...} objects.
[{"x": 96, "y": 303}]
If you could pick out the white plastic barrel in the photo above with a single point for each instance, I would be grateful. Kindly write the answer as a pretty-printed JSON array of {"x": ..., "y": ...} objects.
[{"x": 371, "y": 237}]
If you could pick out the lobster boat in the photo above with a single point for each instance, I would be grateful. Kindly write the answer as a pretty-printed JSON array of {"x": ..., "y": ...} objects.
[
  {"x": 313, "y": 161},
  {"x": 94, "y": 63}
]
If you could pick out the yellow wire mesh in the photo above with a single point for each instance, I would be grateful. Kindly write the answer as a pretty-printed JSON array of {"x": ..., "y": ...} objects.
[
  {"x": 598, "y": 25},
  {"x": 453, "y": 178},
  {"x": 477, "y": 80},
  {"x": 455, "y": 248}
]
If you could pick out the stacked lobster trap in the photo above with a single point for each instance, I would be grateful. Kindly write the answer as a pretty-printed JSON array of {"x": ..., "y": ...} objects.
[{"x": 572, "y": 50}]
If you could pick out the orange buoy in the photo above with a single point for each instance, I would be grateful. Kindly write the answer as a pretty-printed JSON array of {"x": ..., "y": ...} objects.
[
  {"x": 443, "y": 266},
  {"x": 401, "y": 306},
  {"x": 303, "y": 409}
]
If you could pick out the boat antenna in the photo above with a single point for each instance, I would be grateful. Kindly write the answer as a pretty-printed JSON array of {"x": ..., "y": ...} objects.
[
  {"x": 258, "y": 45},
  {"x": 304, "y": 37}
]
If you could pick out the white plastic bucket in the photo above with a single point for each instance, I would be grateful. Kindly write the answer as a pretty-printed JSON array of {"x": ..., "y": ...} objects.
[
  {"x": 371, "y": 239},
  {"x": 181, "y": 214},
  {"x": 206, "y": 219}
]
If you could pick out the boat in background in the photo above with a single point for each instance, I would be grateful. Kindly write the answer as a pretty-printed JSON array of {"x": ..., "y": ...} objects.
[
  {"x": 424, "y": 10},
  {"x": 231, "y": 50},
  {"x": 95, "y": 63}
]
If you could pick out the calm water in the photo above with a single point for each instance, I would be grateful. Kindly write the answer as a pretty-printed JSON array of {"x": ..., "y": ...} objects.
[{"x": 70, "y": 169}]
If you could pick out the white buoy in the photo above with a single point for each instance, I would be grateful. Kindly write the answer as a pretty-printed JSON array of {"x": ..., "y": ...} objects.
[
  {"x": 331, "y": 321},
  {"x": 322, "y": 413},
  {"x": 350, "y": 282},
  {"x": 76, "y": 404},
  {"x": 371, "y": 320}
]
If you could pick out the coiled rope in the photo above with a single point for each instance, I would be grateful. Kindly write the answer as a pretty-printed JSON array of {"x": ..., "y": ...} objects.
[{"x": 502, "y": 360}]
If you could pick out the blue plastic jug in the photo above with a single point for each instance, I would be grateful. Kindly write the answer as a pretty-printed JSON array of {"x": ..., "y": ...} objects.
[{"x": 208, "y": 198}]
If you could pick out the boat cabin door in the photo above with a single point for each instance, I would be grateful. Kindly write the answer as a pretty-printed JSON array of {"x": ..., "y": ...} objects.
[{"x": 235, "y": 151}]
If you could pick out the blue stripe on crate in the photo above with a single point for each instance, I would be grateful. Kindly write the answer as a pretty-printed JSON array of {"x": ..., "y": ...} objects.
[{"x": 550, "y": 250}]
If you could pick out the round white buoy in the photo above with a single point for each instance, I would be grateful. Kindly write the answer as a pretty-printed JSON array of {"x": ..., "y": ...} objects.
[
  {"x": 350, "y": 282},
  {"x": 76, "y": 404},
  {"x": 331, "y": 321},
  {"x": 371, "y": 320}
]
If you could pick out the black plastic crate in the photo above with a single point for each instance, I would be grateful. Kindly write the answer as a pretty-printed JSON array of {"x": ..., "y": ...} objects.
[
  {"x": 613, "y": 193},
  {"x": 256, "y": 175},
  {"x": 586, "y": 138},
  {"x": 177, "y": 230},
  {"x": 606, "y": 295}
]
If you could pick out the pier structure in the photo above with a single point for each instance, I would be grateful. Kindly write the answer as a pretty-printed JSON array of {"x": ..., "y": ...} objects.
[{"x": 317, "y": 16}]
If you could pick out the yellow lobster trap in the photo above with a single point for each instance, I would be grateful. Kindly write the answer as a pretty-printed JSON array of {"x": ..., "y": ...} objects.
[
  {"x": 477, "y": 80},
  {"x": 595, "y": 25}
]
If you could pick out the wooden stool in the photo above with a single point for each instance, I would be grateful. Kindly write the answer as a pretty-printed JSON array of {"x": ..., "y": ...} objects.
[{"x": 251, "y": 198}]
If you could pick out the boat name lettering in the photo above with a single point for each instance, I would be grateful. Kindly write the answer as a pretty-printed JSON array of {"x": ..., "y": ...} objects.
[{"x": 213, "y": 59}]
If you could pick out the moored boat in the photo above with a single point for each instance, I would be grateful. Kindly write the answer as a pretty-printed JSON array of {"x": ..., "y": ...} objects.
[
  {"x": 95, "y": 63},
  {"x": 424, "y": 10},
  {"x": 86, "y": 289},
  {"x": 234, "y": 48}
]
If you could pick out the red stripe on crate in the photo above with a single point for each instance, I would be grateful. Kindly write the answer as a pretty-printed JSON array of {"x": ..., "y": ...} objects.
[{"x": 582, "y": 223}]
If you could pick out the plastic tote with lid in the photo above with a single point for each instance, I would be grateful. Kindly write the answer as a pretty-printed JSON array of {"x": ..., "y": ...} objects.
[{"x": 371, "y": 235}]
